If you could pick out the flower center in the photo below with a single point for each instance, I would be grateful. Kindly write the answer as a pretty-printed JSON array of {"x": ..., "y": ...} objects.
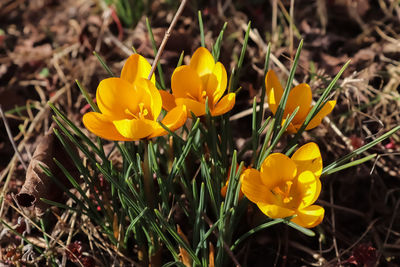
[
  {"x": 143, "y": 112},
  {"x": 202, "y": 97},
  {"x": 283, "y": 191}
]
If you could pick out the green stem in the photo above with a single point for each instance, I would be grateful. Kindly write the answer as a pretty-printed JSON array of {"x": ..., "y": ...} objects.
[{"x": 147, "y": 178}]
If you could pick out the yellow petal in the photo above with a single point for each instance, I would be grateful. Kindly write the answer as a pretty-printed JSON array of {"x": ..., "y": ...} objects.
[
  {"x": 216, "y": 84},
  {"x": 300, "y": 96},
  {"x": 254, "y": 189},
  {"x": 310, "y": 216},
  {"x": 291, "y": 128},
  {"x": 135, "y": 129},
  {"x": 276, "y": 169},
  {"x": 275, "y": 211},
  {"x": 202, "y": 61},
  {"x": 274, "y": 90},
  {"x": 307, "y": 189},
  {"x": 152, "y": 99},
  {"x": 321, "y": 114},
  {"x": 114, "y": 96},
  {"x": 101, "y": 126},
  {"x": 186, "y": 83},
  {"x": 168, "y": 100},
  {"x": 136, "y": 67},
  {"x": 173, "y": 120},
  {"x": 199, "y": 109},
  {"x": 308, "y": 157},
  {"x": 224, "y": 105}
]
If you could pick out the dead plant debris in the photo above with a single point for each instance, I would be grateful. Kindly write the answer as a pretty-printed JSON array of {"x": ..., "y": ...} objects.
[{"x": 45, "y": 45}]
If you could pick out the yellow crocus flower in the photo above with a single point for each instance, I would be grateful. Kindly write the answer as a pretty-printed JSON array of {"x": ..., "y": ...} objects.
[
  {"x": 300, "y": 96},
  {"x": 288, "y": 186},
  {"x": 200, "y": 80},
  {"x": 130, "y": 106}
]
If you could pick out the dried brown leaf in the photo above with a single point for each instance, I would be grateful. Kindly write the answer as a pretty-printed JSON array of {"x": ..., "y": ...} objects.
[{"x": 37, "y": 184}]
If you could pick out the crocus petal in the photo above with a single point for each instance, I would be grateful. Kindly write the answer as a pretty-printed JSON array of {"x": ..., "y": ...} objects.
[
  {"x": 194, "y": 106},
  {"x": 307, "y": 188},
  {"x": 300, "y": 96},
  {"x": 135, "y": 129},
  {"x": 291, "y": 128},
  {"x": 275, "y": 211},
  {"x": 136, "y": 66},
  {"x": 224, "y": 189},
  {"x": 101, "y": 126},
  {"x": 152, "y": 99},
  {"x": 216, "y": 83},
  {"x": 253, "y": 188},
  {"x": 308, "y": 157},
  {"x": 202, "y": 61},
  {"x": 185, "y": 82},
  {"x": 321, "y": 114},
  {"x": 224, "y": 105},
  {"x": 274, "y": 90},
  {"x": 173, "y": 120},
  {"x": 168, "y": 100},
  {"x": 277, "y": 168},
  {"x": 310, "y": 216},
  {"x": 114, "y": 96}
]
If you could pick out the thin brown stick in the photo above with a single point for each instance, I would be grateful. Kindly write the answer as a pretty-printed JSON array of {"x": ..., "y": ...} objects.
[
  {"x": 71, "y": 230},
  {"x": 355, "y": 243},
  {"x": 380, "y": 252},
  {"x": 352, "y": 211},
  {"x": 274, "y": 21},
  {"x": 278, "y": 251},
  {"x": 334, "y": 226},
  {"x": 291, "y": 11},
  {"x": 11, "y": 138},
  {"x": 166, "y": 37},
  {"x": 5, "y": 186},
  {"x": 320, "y": 260},
  {"x": 286, "y": 246}
]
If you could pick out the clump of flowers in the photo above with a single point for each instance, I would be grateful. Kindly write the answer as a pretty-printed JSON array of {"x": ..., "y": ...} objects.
[
  {"x": 300, "y": 96},
  {"x": 288, "y": 186},
  {"x": 130, "y": 106},
  {"x": 201, "y": 80},
  {"x": 154, "y": 188}
]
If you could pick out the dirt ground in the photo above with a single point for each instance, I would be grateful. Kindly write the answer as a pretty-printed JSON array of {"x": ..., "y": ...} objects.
[{"x": 45, "y": 45}]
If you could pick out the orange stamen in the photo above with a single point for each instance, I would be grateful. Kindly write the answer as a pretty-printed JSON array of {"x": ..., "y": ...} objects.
[
  {"x": 284, "y": 194},
  {"x": 143, "y": 112}
]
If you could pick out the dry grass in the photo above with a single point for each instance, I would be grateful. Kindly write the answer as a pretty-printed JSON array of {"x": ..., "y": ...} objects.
[{"x": 362, "y": 204}]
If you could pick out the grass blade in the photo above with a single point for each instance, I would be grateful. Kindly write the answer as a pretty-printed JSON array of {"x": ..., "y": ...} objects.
[
  {"x": 282, "y": 103},
  {"x": 358, "y": 151},
  {"x": 103, "y": 63},
  {"x": 217, "y": 47},
  {"x": 255, "y": 230},
  {"x": 87, "y": 97}
]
